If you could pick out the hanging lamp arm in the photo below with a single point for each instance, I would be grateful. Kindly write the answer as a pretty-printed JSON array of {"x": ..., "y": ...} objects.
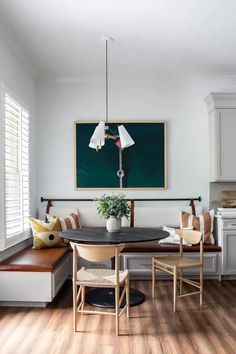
[
  {"x": 102, "y": 131},
  {"x": 107, "y": 41},
  {"x": 107, "y": 82}
]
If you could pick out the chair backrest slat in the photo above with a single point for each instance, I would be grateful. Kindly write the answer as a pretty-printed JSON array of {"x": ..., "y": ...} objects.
[
  {"x": 96, "y": 253},
  {"x": 191, "y": 236}
]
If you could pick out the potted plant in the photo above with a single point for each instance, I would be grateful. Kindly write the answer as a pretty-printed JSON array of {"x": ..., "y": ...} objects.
[{"x": 113, "y": 208}]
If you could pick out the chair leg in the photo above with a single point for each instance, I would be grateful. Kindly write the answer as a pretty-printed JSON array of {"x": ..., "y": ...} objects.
[
  {"x": 153, "y": 280},
  {"x": 117, "y": 294},
  {"x": 83, "y": 298},
  {"x": 181, "y": 282},
  {"x": 201, "y": 285},
  {"x": 175, "y": 289},
  {"x": 75, "y": 306},
  {"x": 127, "y": 296}
]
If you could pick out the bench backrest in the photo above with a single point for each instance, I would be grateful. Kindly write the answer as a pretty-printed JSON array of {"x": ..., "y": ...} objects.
[{"x": 144, "y": 215}]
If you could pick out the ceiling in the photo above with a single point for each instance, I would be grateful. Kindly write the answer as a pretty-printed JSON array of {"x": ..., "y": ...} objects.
[{"x": 151, "y": 37}]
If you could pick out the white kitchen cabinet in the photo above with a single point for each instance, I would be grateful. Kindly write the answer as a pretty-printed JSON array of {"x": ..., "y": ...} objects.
[
  {"x": 222, "y": 136},
  {"x": 226, "y": 232}
]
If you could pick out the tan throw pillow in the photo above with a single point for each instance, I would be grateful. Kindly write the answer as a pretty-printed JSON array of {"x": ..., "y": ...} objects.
[
  {"x": 70, "y": 222},
  {"x": 46, "y": 234},
  {"x": 203, "y": 223}
]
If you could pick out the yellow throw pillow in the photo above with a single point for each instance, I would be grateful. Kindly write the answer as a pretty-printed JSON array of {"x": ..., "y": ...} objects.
[{"x": 46, "y": 234}]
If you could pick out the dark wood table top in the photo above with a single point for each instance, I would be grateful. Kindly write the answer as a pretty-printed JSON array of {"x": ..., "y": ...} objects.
[{"x": 100, "y": 235}]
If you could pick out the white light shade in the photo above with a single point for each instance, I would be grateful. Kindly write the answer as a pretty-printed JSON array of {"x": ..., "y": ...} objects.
[
  {"x": 98, "y": 138},
  {"x": 125, "y": 138},
  {"x": 92, "y": 146}
]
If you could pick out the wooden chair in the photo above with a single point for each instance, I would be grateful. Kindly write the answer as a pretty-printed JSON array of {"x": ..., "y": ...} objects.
[
  {"x": 95, "y": 278},
  {"x": 175, "y": 265}
]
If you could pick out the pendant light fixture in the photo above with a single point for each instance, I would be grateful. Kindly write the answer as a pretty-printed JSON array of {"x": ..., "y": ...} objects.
[{"x": 102, "y": 130}]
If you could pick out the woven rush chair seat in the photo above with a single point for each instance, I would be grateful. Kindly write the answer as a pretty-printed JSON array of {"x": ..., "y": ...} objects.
[
  {"x": 99, "y": 277},
  {"x": 179, "y": 262}
]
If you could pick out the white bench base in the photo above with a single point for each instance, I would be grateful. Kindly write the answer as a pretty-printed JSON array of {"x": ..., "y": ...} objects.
[
  {"x": 37, "y": 289},
  {"x": 140, "y": 264},
  {"x": 34, "y": 289}
]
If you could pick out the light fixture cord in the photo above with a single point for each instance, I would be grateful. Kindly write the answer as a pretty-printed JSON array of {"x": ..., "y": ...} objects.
[{"x": 106, "y": 82}]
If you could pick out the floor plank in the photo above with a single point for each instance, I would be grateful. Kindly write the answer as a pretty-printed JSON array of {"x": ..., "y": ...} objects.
[{"x": 152, "y": 327}]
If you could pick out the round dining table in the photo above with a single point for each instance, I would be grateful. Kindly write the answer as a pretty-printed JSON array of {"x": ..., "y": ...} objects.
[{"x": 104, "y": 297}]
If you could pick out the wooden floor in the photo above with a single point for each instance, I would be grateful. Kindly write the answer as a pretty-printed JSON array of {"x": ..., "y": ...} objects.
[{"x": 152, "y": 328}]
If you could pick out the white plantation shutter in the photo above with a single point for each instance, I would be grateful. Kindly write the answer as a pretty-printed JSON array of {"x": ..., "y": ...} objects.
[{"x": 16, "y": 167}]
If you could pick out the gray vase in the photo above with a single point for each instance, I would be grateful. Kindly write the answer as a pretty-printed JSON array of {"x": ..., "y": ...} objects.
[{"x": 113, "y": 224}]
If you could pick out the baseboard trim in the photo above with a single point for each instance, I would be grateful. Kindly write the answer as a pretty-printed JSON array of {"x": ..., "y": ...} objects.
[
  {"x": 169, "y": 277},
  {"x": 228, "y": 277},
  {"x": 23, "y": 304}
]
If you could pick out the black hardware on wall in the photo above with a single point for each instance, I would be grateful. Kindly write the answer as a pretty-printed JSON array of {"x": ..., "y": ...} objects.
[{"x": 132, "y": 200}]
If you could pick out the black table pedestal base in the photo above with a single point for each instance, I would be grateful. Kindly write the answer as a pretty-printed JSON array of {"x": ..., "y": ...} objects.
[{"x": 104, "y": 297}]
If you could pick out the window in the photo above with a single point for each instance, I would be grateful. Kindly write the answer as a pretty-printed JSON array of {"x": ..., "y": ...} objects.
[{"x": 16, "y": 129}]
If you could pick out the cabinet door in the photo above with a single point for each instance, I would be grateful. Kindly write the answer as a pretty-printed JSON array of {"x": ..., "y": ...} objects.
[
  {"x": 229, "y": 252},
  {"x": 226, "y": 144}
]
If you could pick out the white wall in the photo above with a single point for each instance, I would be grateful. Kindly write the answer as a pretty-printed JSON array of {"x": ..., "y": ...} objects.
[
  {"x": 21, "y": 85},
  {"x": 179, "y": 100}
]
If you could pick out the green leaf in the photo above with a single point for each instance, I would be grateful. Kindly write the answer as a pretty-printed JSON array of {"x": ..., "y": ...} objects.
[{"x": 114, "y": 204}]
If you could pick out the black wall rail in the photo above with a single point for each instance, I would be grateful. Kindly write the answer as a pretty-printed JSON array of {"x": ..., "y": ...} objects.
[{"x": 132, "y": 201}]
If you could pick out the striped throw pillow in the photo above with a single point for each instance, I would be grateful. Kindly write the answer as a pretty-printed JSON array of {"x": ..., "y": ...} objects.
[
  {"x": 70, "y": 222},
  {"x": 203, "y": 223}
]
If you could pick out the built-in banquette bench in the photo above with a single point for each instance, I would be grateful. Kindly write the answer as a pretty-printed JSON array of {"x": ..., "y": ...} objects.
[{"x": 33, "y": 277}]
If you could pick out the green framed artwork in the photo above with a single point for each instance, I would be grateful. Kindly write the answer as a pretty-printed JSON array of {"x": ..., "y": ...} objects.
[{"x": 144, "y": 163}]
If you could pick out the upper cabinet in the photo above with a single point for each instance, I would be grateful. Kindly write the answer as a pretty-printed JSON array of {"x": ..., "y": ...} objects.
[{"x": 222, "y": 136}]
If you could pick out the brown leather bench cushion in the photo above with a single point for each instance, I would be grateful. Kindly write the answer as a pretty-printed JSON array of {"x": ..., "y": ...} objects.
[
  {"x": 154, "y": 246},
  {"x": 29, "y": 260},
  {"x": 46, "y": 260}
]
